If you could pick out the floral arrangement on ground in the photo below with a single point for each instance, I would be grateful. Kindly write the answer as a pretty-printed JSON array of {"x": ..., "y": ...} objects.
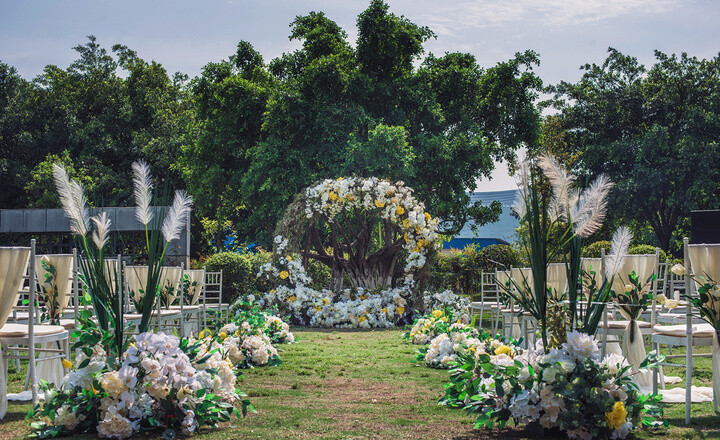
[
  {"x": 568, "y": 388},
  {"x": 163, "y": 383}
]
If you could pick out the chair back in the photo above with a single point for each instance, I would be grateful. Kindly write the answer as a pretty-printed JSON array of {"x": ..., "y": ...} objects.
[
  {"x": 55, "y": 276},
  {"x": 593, "y": 268},
  {"x": 704, "y": 262},
  {"x": 213, "y": 288},
  {"x": 557, "y": 279},
  {"x": 197, "y": 284},
  {"x": 521, "y": 275},
  {"x": 13, "y": 267}
]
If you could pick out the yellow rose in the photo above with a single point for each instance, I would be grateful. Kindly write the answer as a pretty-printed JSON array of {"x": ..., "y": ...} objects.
[
  {"x": 400, "y": 310},
  {"x": 291, "y": 299},
  {"x": 616, "y": 418},
  {"x": 202, "y": 334},
  {"x": 400, "y": 210},
  {"x": 406, "y": 237},
  {"x": 362, "y": 318},
  {"x": 325, "y": 301},
  {"x": 332, "y": 196},
  {"x": 284, "y": 274},
  {"x": 503, "y": 349},
  {"x": 384, "y": 310},
  {"x": 427, "y": 216},
  {"x": 223, "y": 335},
  {"x": 437, "y": 313},
  {"x": 67, "y": 364},
  {"x": 379, "y": 204},
  {"x": 406, "y": 223}
]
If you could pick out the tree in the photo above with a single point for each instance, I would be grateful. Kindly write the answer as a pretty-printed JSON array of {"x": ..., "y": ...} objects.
[
  {"x": 655, "y": 132},
  {"x": 330, "y": 109}
]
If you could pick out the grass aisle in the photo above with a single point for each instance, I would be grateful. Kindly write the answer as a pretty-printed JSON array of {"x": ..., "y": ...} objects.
[{"x": 351, "y": 384}]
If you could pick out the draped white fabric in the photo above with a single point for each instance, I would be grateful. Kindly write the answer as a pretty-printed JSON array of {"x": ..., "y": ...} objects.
[
  {"x": 716, "y": 373},
  {"x": 520, "y": 274},
  {"x": 13, "y": 265},
  {"x": 64, "y": 265},
  {"x": 592, "y": 264},
  {"x": 52, "y": 371},
  {"x": 197, "y": 281},
  {"x": 633, "y": 343},
  {"x": 642, "y": 265},
  {"x": 136, "y": 277},
  {"x": 557, "y": 279},
  {"x": 170, "y": 283}
]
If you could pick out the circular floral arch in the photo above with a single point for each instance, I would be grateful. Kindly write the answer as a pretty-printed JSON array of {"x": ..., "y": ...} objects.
[{"x": 357, "y": 227}]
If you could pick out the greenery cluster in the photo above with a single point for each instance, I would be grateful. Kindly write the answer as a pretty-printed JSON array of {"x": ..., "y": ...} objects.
[
  {"x": 461, "y": 271},
  {"x": 594, "y": 250}
]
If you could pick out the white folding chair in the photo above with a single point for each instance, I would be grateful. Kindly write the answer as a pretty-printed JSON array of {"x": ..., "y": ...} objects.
[
  {"x": 16, "y": 338},
  {"x": 689, "y": 335},
  {"x": 489, "y": 300},
  {"x": 212, "y": 297}
]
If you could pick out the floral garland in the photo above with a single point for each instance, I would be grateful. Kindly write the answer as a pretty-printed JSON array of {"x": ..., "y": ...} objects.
[{"x": 434, "y": 324}]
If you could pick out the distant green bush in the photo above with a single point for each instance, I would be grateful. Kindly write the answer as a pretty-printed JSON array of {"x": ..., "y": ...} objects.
[{"x": 595, "y": 250}]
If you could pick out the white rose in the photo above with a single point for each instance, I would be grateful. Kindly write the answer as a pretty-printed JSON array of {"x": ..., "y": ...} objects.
[{"x": 678, "y": 270}]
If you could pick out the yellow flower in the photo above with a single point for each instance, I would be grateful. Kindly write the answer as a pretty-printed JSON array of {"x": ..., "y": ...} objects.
[
  {"x": 437, "y": 313},
  {"x": 318, "y": 308},
  {"x": 384, "y": 310},
  {"x": 616, "y": 418},
  {"x": 223, "y": 335},
  {"x": 400, "y": 310},
  {"x": 332, "y": 196},
  {"x": 406, "y": 223},
  {"x": 472, "y": 348},
  {"x": 291, "y": 299},
  {"x": 427, "y": 216},
  {"x": 400, "y": 210},
  {"x": 406, "y": 237},
  {"x": 362, "y": 318},
  {"x": 379, "y": 204},
  {"x": 284, "y": 274},
  {"x": 503, "y": 349},
  {"x": 67, "y": 364},
  {"x": 325, "y": 301},
  {"x": 202, "y": 334},
  {"x": 237, "y": 333}
]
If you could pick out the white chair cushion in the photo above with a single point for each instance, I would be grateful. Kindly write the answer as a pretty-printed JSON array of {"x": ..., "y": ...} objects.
[
  {"x": 624, "y": 324},
  {"x": 699, "y": 330},
  {"x": 13, "y": 330}
]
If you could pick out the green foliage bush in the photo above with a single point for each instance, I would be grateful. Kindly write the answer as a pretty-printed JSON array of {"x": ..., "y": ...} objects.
[
  {"x": 460, "y": 271},
  {"x": 640, "y": 249},
  {"x": 595, "y": 250}
]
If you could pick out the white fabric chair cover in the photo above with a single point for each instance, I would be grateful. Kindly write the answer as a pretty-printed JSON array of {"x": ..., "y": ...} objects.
[
  {"x": 13, "y": 265},
  {"x": 557, "y": 279},
  {"x": 593, "y": 264},
  {"x": 195, "y": 276},
  {"x": 519, "y": 274},
  {"x": 170, "y": 282},
  {"x": 705, "y": 262},
  {"x": 53, "y": 371},
  {"x": 64, "y": 265},
  {"x": 643, "y": 266},
  {"x": 136, "y": 277}
]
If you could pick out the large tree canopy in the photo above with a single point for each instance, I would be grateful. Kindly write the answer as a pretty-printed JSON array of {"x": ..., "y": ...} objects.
[
  {"x": 655, "y": 132},
  {"x": 330, "y": 109}
]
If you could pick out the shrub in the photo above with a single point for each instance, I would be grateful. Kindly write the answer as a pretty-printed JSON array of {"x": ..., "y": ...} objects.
[
  {"x": 237, "y": 272},
  {"x": 498, "y": 256},
  {"x": 595, "y": 250},
  {"x": 646, "y": 249}
]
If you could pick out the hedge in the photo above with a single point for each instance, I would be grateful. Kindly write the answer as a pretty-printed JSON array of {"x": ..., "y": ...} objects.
[{"x": 594, "y": 250}]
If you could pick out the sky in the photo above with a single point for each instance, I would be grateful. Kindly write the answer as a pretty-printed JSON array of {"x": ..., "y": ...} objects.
[{"x": 184, "y": 35}]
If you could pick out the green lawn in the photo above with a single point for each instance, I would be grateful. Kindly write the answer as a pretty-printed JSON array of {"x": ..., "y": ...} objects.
[{"x": 362, "y": 385}]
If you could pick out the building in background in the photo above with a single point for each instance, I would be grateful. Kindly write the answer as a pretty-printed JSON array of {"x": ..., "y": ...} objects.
[{"x": 500, "y": 232}]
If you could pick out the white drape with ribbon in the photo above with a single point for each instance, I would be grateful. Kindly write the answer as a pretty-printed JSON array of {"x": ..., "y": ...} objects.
[
  {"x": 197, "y": 282},
  {"x": 52, "y": 371},
  {"x": 13, "y": 265}
]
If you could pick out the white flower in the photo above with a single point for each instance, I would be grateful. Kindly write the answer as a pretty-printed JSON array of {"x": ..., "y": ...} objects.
[
  {"x": 188, "y": 424},
  {"x": 523, "y": 408},
  {"x": 64, "y": 416},
  {"x": 114, "y": 425},
  {"x": 614, "y": 363},
  {"x": 623, "y": 431},
  {"x": 671, "y": 304},
  {"x": 581, "y": 346},
  {"x": 112, "y": 383},
  {"x": 678, "y": 269}
]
